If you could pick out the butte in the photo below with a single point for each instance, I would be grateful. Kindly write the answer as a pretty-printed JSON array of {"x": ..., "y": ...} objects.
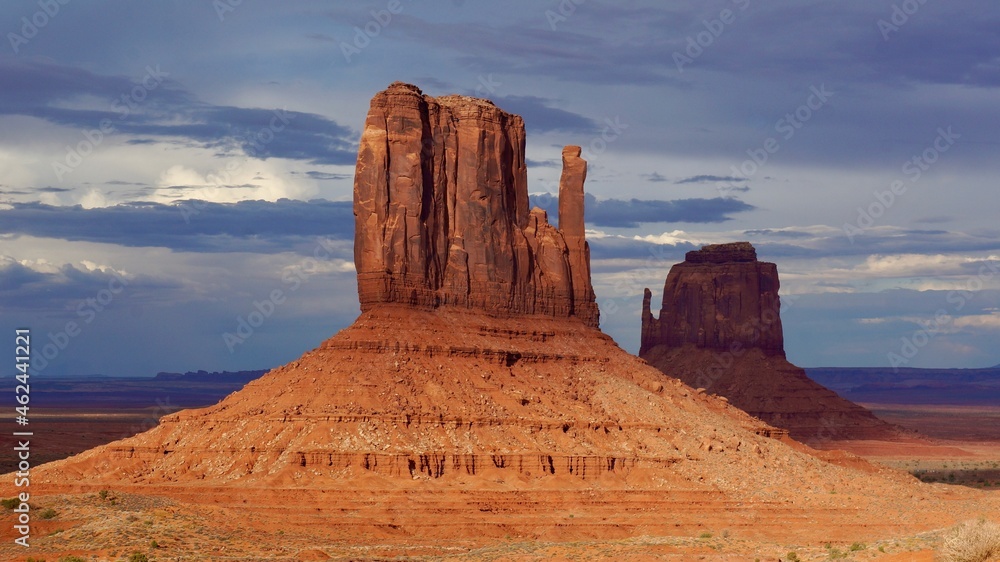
[
  {"x": 474, "y": 400},
  {"x": 719, "y": 330}
]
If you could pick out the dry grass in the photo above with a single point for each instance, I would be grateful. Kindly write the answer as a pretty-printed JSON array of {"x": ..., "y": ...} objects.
[{"x": 972, "y": 541}]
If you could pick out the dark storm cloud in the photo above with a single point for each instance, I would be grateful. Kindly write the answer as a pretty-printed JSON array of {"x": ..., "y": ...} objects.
[
  {"x": 604, "y": 44},
  {"x": 631, "y": 213},
  {"x": 542, "y": 163},
  {"x": 708, "y": 179},
  {"x": 23, "y": 288},
  {"x": 606, "y": 251},
  {"x": 162, "y": 110},
  {"x": 317, "y": 175},
  {"x": 14, "y": 276},
  {"x": 780, "y": 233},
  {"x": 541, "y": 117},
  {"x": 199, "y": 226}
]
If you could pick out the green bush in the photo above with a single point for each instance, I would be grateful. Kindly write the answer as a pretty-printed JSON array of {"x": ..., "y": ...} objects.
[
  {"x": 47, "y": 513},
  {"x": 138, "y": 557},
  {"x": 792, "y": 557},
  {"x": 71, "y": 559},
  {"x": 9, "y": 503},
  {"x": 103, "y": 494}
]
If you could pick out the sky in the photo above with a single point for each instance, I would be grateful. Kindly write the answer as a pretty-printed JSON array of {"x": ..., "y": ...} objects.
[{"x": 176, "y": 177}]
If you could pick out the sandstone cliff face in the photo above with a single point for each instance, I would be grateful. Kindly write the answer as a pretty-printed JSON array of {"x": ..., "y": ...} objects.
[
  {"x": 442, "y": 218},
  {"x": 720, "y": 296},
  {"x": 720, "y": 330}
]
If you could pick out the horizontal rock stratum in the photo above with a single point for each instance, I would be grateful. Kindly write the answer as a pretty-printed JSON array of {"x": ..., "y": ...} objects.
[
  {"x": 442, "y": 218},
  {"x": 720, "y": 329}
]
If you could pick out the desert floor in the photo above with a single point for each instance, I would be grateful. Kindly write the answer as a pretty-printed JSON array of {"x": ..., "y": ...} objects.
[{"x": 283, "y": 524}]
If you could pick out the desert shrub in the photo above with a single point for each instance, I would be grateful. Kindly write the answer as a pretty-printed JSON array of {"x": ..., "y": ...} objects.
[
  {"x": 972, "y": 541},
  {"x": 705, "y": 535},
  {"x": 9, "y": 503},
  {"x": 792, "y": 557},
  {"x": 71, "y": 559},
  {"x": 103, "y": 494},
  {"x": 857, "y": 546},
  {"x": 47, "y": 513},
  {"x": 138, "y": 557}
]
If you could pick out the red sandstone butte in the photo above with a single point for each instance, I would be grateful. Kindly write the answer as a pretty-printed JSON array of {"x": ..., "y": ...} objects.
[
  {"x": 442, "y": 218},
  {"x": 720, "y": 329},
  {"x": 473, "y": 401}
]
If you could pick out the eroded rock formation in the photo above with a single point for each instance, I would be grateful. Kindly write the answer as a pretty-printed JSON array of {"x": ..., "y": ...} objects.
[
  {"x": 442, "y": 218},
  {"x": 720, "y": 330},
  {"x": 718, "y": 297}
]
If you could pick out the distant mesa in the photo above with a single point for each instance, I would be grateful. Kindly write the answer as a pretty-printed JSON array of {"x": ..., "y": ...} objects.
[
  {"x": 719, "y": 329},
  {"x": 718, "y": 297},
  {"x": 442, "y": 217}
]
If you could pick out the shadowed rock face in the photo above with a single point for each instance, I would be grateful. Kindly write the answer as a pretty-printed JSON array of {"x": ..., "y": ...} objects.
[
  {"x": 442, "y": 218},
  {"x": 718, "y": 297},
  {"x": 720, "y": 329}
]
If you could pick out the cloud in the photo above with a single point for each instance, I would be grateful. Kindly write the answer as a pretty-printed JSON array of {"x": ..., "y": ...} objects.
[
  {"x": 541, "y": 117},
  {"x": 65, "y": 96},
  {"x": 317, "y": 175},
  {"x": 580, "y": 50},
  {"x": 709, "y": 179},
  {"x": 633, "y": 212},
  {"x": 542, "y": 163},
  {"x": 199, "y": 226},
  {"x": 655, "y": 177}
]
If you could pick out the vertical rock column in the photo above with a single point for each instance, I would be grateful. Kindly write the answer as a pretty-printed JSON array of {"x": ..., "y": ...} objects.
[{"x": 571, "y": 224}]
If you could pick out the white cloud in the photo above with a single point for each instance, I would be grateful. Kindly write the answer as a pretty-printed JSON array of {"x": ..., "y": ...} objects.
[
  {"x": 672, "y": 238},
  {"x": 983, "y": 321}
]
